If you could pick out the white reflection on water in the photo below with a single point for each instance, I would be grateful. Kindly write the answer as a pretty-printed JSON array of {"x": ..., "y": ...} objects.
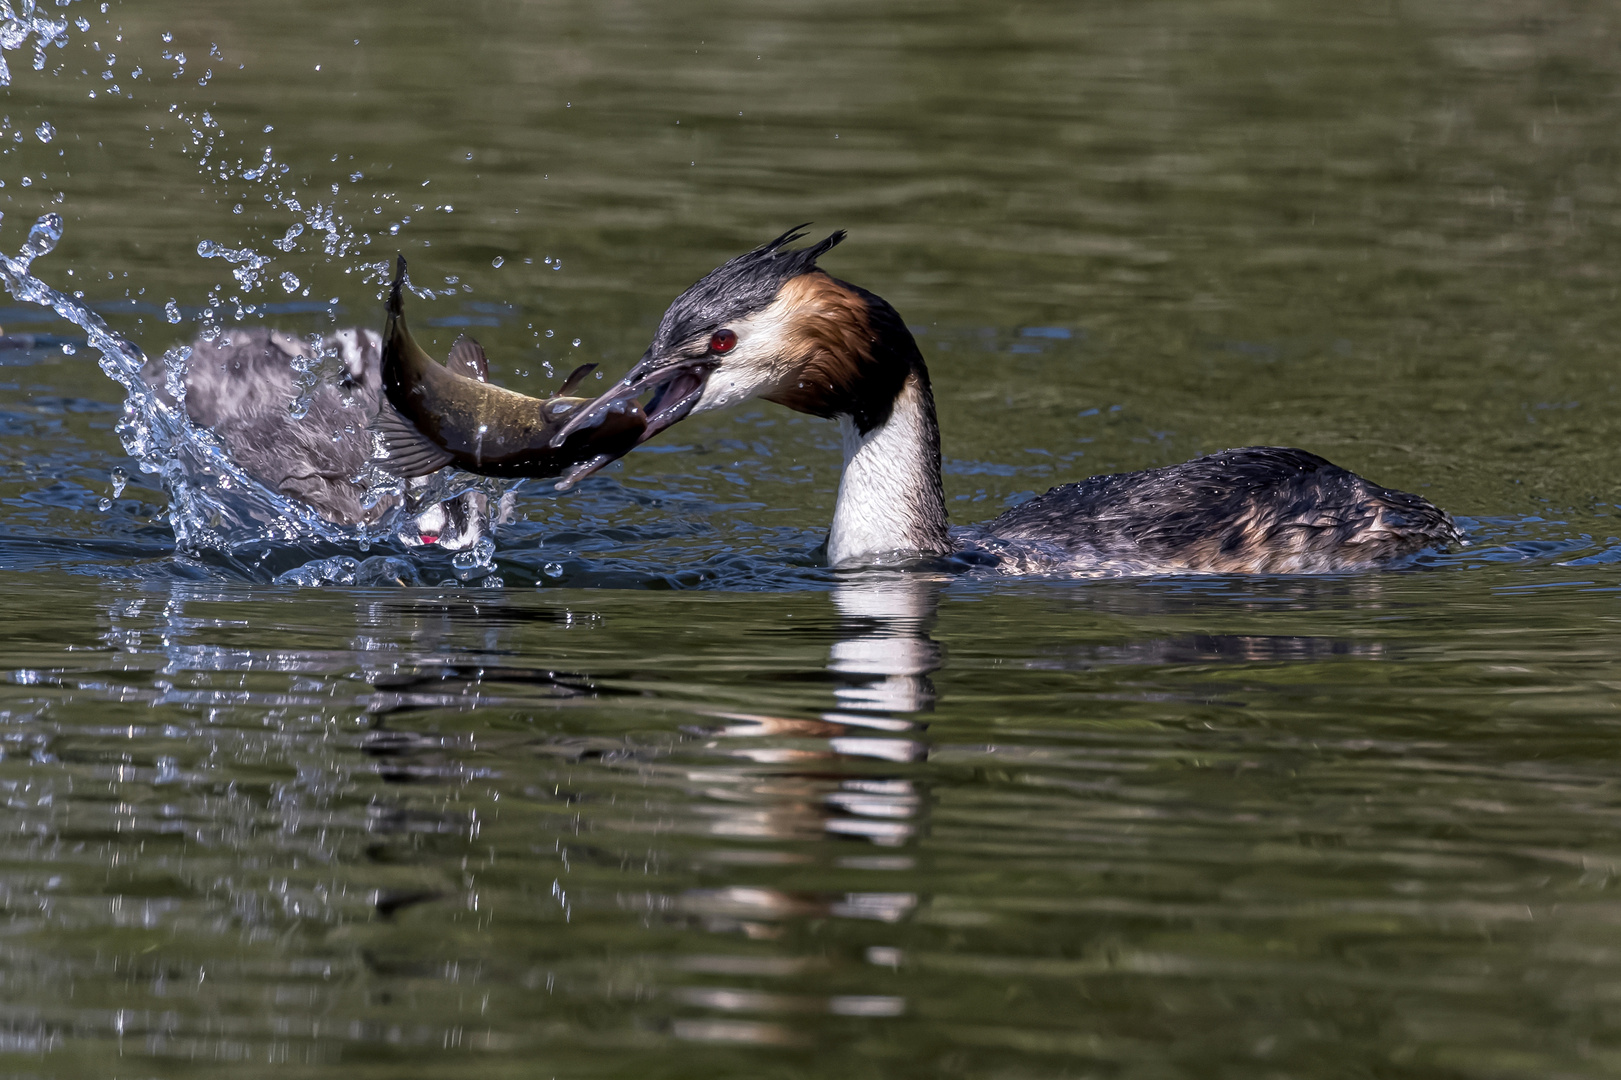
[
  {"x": 882, "y": 664},
  {"x": 893, "y": 655}
]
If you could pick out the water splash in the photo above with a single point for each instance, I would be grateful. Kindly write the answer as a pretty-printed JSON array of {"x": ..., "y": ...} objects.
[
  {"x": 216, "y": 509},
  {"x": 476, "y": 562},
  {"x": 248, "y": 262},
  {"x": 350, "y": 571},
  {"x": 42, "y": 240},
  {"x": 19, "y": 24},
  {"x": 219, "y": 512}
]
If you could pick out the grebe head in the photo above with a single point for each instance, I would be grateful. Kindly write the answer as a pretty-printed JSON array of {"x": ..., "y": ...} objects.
[{"x": 771, "y": 324}]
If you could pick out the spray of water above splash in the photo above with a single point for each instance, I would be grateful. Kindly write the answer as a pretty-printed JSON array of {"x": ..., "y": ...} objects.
[
  {"x": 19, "y": 24},
  {"x": 224, "y": 514}
]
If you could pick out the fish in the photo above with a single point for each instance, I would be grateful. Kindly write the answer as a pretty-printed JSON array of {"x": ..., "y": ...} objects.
[{"x": 439, "y": 415}]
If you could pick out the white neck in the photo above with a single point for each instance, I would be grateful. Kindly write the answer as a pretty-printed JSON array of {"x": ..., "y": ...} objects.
[{"x": 890, "y": 499}]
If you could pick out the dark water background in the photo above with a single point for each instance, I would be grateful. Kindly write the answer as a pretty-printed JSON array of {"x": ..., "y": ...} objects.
[{"x": 676, "y": 801}]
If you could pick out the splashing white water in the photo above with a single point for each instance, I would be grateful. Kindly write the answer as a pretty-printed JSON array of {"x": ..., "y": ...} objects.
[
  {"x": 214, "y": 506},
  {"x": 248, "y": 262},
  {"x": 18, "y": 25}
]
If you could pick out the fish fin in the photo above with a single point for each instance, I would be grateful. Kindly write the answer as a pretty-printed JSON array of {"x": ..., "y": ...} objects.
[
  {"x": 575, "y": 473},
  {"x": 410, "y": 454},
  {"x": 574, "y": 378},
  {"x": 467, "y": 358}
]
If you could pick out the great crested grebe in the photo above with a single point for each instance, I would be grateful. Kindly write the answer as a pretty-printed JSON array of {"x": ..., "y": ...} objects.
[{"x": 771, "y": 324}]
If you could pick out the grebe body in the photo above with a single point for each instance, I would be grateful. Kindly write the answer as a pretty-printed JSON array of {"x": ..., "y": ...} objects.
[
  {"x": 1255, "y": 510},
  {"x": 771, "y": 324}
]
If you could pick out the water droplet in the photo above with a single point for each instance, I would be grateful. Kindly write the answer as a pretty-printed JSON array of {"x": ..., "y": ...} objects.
[
  {"x": 290, "y": 282},
  {"x": 576, "y": 343},
  {"x": 552, "y": 570},
  {"x": 45, "y": 132},
  {"x": 42, "y": 237},
  {"x": 549, "y": 333},
  {"x": 85, "y": 25},
  {"x": 120, "y": 478},
  {"x": 68, "y": 348},
  {"x": 104, "y": 504},
  {"x": 171, "y": 311},
  {"x": 497, "y": 261},
  {"x": 293, "y": 231}
]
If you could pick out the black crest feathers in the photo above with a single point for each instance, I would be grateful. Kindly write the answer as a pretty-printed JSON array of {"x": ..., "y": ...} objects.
[{"x": 739, "y": 287}]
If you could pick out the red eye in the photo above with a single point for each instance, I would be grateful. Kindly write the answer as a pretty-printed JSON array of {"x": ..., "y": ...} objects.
[{"x": 722, "y": 341}]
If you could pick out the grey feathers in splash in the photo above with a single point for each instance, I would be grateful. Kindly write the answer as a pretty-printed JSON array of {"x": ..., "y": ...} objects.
[{"x": 241, "y": 386}]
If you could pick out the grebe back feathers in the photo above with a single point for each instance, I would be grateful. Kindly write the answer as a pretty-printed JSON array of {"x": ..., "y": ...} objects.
[{"x": 1258, "y": 509}]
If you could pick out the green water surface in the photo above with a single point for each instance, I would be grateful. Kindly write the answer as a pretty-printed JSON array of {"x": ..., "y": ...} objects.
[{"x": 693, "y": 806}]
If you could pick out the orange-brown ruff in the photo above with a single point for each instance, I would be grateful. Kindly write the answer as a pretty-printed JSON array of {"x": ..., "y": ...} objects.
[
  {"x": 771, "y": 324},
  {"x": 832, "y": 338}
]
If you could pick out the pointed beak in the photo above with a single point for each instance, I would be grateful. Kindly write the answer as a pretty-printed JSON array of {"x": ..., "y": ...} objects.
[{"x": 676, "y": 382}]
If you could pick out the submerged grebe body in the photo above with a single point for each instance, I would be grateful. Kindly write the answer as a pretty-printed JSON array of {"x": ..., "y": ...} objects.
[
  {"x": 241, "y": 386},
  {"x": 771, "y": 324}
]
